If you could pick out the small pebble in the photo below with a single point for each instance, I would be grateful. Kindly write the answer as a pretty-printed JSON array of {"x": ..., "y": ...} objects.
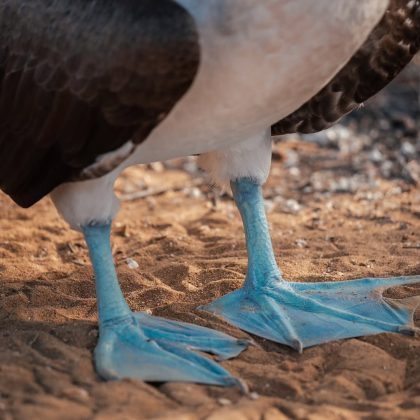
[
  {"x": 254, "y": 395},
  {"x": 293, "y": 206},
  {"x": 76, "y": 394},
  {"x": 376, "y": 155},
  {"x": 408, "y": 149},
  {"x": 157, "y": 166},
  {"x": 301, "y": 243},
  {"x": 194, "y": 193},
  {"x": 132, "y": 264},
  {"x": 224, "y": 401},
  {"x": 190, "y": 166},
  {"x": 294, "y": 171}
]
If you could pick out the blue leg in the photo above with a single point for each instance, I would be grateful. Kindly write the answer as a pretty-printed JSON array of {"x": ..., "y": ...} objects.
[
  {"x": 137, "y": 345},
  {"x": 305, "y": 314}
]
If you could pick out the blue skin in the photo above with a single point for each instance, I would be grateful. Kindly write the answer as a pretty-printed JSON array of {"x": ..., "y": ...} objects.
[
  {"x": 304, "y": 314},
  {"x": 141, "y": 346}
]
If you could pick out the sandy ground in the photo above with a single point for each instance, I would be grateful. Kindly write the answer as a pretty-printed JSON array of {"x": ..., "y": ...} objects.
[{"x": 336, "y": 213}]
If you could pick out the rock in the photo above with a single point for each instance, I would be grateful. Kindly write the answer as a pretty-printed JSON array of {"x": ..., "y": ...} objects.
[{"x": 132, "y": 264}]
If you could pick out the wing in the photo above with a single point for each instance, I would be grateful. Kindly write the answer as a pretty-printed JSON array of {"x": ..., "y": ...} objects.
[
  {"x": 79, "y": 78},
  {"x": 388, "y": 49}
]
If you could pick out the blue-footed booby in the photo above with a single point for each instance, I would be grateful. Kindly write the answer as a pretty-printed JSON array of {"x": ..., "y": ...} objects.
[{"x": 89, "y": 87}]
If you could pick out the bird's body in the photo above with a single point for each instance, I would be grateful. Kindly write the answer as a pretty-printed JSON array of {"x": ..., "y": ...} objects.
[
  {"x": 244, "y": 84},
  {"x": 89, "y": 88}
]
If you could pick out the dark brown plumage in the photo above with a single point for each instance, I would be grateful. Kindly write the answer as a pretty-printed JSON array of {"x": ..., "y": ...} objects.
[
  {"x": 79, "y": 78},
  {"x": 388, "y": 49}
]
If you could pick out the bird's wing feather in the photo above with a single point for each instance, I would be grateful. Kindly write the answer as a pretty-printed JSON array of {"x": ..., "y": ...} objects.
[
  {"x": 79, "y": 78},
  {"x": 388, "y": 49}
]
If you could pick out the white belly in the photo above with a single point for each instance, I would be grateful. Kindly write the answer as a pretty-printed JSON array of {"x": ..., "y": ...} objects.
[{"x": 261, "y": 60}]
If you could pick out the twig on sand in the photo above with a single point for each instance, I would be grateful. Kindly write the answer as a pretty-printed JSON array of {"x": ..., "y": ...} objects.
[
  {"x": 138, "y": 195},
  {"x": 150, "y": 192},
  {"x": 411, "y": 246}
]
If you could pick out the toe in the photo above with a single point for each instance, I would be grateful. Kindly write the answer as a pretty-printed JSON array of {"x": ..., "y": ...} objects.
[
  {"x": 126, "y": 352},
  {"x": 192, "y": 336}
]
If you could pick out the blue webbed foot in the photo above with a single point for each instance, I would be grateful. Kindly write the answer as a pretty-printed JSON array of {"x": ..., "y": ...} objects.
[
  {"x": 141, "y": 346},
  {"x": 304, "y": 314},
  {"x": 158, "y": 350}
]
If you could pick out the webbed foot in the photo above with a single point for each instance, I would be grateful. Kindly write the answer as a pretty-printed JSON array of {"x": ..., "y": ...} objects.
[
  {"x": 158, "y": 350},
  {"x": 304, "y": 314}
]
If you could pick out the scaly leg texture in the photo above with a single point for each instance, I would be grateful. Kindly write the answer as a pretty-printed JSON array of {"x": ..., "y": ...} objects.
[
  {"x": 304, "y": 314},
  {"x": 140, "y": 346}
]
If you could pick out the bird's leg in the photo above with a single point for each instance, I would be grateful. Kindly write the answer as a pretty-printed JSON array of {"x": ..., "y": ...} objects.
[
  {"x": 304, "y": 314},
  {"x": 141, "y": 346}
]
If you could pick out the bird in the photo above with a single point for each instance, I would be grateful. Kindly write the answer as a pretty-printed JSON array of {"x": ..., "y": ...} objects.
[{"x": 89, "y": 87}]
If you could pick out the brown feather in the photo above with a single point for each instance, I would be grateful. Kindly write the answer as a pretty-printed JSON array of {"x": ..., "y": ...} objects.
[{"x": 79, "y": 78}]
